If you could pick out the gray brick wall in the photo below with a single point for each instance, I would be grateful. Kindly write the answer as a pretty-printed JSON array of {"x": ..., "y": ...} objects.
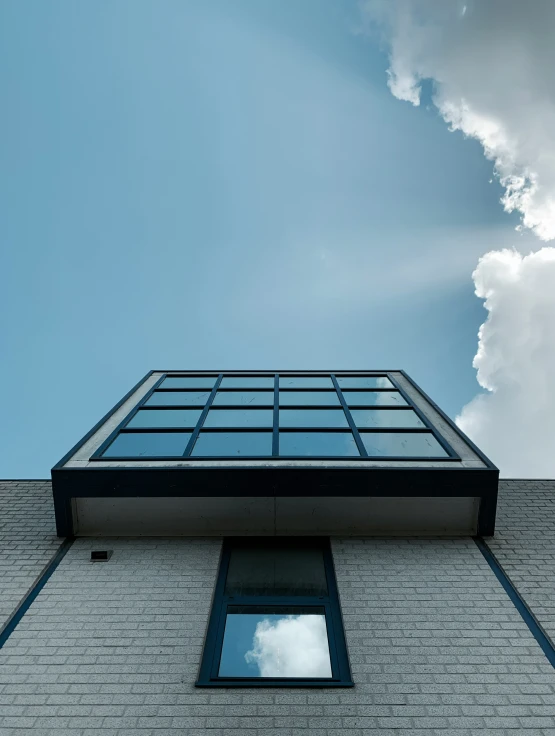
[
  {"x": 113, "y": 649},
  {"x": 524, "y": 543},
  {"x": 435, "y": 642},
  {"x": 435, "y": 645},
  {"x": 27, "y": 538}
]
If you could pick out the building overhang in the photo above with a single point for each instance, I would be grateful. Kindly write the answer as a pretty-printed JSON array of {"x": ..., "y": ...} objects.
[{"x": 433, "y": 488}]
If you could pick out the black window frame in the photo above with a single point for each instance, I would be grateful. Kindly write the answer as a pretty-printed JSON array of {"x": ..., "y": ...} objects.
[
  {"x": 341, "y": 671},
  {"x": 339, "y": 394}
]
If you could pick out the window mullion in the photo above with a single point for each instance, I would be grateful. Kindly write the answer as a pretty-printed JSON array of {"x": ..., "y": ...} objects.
[
  {"x": 352, "y": 425},
  {"x": 332, "y": 642},
  {"x": 202, "y": 417},
  {"x": 276, "y": 600},
  {"x": 275, "y": 434},
  {"x": 219, "y": 640}
]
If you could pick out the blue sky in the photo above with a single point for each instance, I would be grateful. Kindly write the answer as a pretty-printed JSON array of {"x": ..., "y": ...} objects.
[{"x": 204, "y": 184}]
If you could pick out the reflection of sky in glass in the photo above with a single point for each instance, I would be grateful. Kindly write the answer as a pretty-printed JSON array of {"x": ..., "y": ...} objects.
[
  {"x": 244, "y": 398},
  {"x": 386, "y": 418},
  {"x": 364, "y": 382},
  {"x": 402, "y": 444},
  {"x": 374, "y": 398},
  {"x": 247, "y": 382},
  {"x": 148, "y": 444},
  {"x": 178, "y": 398},
  {"x": 312, "y": 418},
  {"x": 303, "y": 398},
  {"x": 322, "y": 444},
  {"x": 274, "y": 645},
  {"x": 165, "y": 418},
  {"x": 231, "y": 444},
  {"x": 305, "y": 382},
  {"x": 189, "y": 382},
  {"x": 239, "y": 418}
]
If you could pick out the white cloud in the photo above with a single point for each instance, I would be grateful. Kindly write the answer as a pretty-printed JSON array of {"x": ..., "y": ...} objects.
[
  {"x": 293, "y": 646},
  {"x": 491, "y": 63},
  {"x": 514, "y": 422}
]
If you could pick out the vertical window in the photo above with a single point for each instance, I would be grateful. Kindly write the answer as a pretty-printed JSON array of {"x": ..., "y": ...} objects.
[{"x": 275, "y": 618}]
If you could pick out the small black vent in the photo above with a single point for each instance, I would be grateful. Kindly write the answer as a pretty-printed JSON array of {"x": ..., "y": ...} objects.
[{"x": 101, "y": 555}]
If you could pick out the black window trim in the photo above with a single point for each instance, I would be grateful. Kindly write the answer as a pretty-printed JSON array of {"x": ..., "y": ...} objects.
[
  {"x": 342, "y": 404},
  {"x": 341, "y": 672}
]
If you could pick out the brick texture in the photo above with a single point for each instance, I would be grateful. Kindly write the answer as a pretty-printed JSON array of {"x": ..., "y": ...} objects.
[
  {"x": 27, "y": 538},
  {"x": 436, "y": 647},
  {"x": 114, "y": 648},
  {"x": 524, "y": 543}
]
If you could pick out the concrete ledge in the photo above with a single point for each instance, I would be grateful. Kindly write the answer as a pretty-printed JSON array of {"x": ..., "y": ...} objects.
[{"x": 348, "y": 516}]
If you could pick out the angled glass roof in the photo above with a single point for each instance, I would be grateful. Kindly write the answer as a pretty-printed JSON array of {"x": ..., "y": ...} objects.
[
  {"x": 322, "y": 444},
  {"x": 281, "y": 416}
]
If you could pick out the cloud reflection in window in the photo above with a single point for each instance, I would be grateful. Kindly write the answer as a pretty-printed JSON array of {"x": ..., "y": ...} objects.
[{"x": 291, "y": 646}]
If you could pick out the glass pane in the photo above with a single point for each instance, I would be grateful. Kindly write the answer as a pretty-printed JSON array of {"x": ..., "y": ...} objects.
[
  {"x": 312, "y": 418},
  {"x": 247, "y": 382},
  {"x": 385, "y": 418},
  {"x": 364, "y": 382},
  {"x": 280, "y": 641},
  {"x": 239, "y": 418},
  {"x": 233, "y": 444},
  {"x": 244, "y": 398},
  {"x": 321, "y": 444},
  {"x": 148, "y": 444},
  {"x": 178, "y": 398},
  {"x": 402, "y": 444},
  {"x": 165, "y": 418},
  {"x": 374, "y": 398},
  {"x": 312, "y": 398},
  {"x": 189, "y": 382},
  {"x": 305, "y": 382},
  {"x": 266, "y": 570}
]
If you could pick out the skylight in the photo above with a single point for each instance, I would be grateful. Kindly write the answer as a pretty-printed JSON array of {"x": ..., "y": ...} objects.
[{"x": 230, "y": 416}]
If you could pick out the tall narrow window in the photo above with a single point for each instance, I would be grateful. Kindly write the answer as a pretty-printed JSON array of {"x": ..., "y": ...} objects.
[{"x": 275, "y": 619}]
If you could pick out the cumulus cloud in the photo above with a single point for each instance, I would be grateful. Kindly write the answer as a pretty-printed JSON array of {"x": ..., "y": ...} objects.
[
  {"x": 515, "y": 420},
  {"x": 492, "y": 63},
  {"x": 292, "y": 646},
  {"x": 491, "y": 66}
]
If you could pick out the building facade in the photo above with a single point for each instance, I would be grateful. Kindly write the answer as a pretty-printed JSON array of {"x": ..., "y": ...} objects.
[{"x": 404, "y": 594}]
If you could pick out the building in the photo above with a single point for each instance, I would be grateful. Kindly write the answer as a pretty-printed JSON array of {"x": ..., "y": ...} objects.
[{"x": 276, "y": 553}]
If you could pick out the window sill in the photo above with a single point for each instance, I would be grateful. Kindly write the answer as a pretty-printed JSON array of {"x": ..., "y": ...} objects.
[{"x": 274, "y": 683}]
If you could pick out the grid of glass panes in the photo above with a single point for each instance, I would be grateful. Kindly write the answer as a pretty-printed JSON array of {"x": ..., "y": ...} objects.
[{"x": 271, "y": 415}]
